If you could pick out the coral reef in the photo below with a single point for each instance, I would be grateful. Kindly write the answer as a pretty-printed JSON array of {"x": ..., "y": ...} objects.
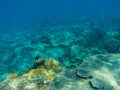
[
  {"x": 69, "y": 43},
  {"x": 37, "y": 77},
  {"x": 47, "y": 66},
  {"x": 101, "y": 72}
]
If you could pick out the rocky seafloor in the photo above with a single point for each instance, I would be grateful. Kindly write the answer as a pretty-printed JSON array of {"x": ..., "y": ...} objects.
[{"x": 85, "y": 53}]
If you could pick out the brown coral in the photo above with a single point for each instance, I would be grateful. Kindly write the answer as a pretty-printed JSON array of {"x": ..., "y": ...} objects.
[
  {"x": 13, "y": 75},
  {"x": 34, "y": 72}
]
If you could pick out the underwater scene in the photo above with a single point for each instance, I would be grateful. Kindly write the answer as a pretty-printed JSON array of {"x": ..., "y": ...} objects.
[{"x": 59, "y": 45}]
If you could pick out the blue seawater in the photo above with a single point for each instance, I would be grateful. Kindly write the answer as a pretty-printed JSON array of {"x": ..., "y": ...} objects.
[{"x": 70, "y": 31}]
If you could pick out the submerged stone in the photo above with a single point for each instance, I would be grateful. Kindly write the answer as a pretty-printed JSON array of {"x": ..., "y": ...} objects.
[
  {"x": 103, "y": 69},
  {"x": 97, "y": 84}
]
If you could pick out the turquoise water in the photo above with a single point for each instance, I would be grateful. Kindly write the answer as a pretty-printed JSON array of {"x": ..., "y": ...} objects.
[
  {"x": 69, "y": 41},
  {"x": 69, "y": 31}
]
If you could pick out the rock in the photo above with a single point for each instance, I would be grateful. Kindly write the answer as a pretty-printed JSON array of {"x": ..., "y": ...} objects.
[
  {"x": 97, "y": 84},
  {"x": 104, "y": 71},
  {"x": 100, "y": 72},
  {"x": 100, "y": 84},
  {"x": 84, "y": 73},
  {"x": 68, "y": 82}
]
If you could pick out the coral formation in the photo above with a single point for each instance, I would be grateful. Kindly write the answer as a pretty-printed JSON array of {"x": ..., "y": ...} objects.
[
  {"x": 45, "y": 66},
  {"x": 51, "y": 63},
  {"x": 35, "y": 72},
  {"x": 40, "y": 74},
  {"x": 13, "y": 75}
]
